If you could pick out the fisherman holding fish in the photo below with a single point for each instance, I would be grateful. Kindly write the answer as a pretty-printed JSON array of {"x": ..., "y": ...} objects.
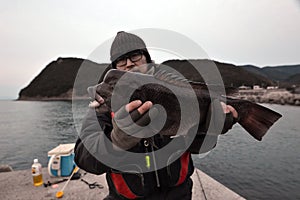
[{"x": 129, "y": 53}]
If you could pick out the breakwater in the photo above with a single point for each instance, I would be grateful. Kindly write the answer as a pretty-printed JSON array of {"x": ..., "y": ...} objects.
[{"x": 204, "y": 187}]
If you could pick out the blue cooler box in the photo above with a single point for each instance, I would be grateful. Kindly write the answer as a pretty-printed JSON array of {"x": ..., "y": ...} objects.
[{"x": 61, "y": 160}]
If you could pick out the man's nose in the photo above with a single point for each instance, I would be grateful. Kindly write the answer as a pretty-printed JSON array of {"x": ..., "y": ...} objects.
[{"x": 129, "y": 63}]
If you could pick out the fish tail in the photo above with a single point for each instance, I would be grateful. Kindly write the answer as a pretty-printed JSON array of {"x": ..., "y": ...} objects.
[{"x": 258, "y": 120}]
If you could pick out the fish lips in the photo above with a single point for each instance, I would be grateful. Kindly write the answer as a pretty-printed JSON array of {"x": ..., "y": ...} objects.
[{"x": 103, "y": 108}]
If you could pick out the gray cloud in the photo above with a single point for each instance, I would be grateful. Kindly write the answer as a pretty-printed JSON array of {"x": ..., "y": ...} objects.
[{"x": 34, "y": 33}]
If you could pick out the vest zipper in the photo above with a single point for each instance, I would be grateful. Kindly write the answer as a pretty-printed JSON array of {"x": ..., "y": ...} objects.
[{"x": 146, "y": 144}]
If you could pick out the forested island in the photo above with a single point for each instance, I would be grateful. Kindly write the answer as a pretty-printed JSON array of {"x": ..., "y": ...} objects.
[{"x": 56, "y": 81}]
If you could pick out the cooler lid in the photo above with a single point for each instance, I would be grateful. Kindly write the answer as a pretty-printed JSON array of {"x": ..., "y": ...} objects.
[{"x": 62, "y": 149}]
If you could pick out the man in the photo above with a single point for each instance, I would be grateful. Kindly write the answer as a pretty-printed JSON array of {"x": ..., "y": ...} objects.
[{"x": 129, "y": 51}]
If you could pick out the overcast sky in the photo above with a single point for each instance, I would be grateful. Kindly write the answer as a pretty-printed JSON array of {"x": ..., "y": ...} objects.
[{"x": 33, "y": 33}]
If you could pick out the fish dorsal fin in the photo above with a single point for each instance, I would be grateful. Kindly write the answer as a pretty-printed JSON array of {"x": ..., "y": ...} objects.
[{"x": 171, "y": 78}]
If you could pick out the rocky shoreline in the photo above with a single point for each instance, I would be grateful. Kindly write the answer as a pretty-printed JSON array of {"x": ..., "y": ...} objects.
[
  {"x": 273, "y": 96},
  {"x": 58, "y": 98}
]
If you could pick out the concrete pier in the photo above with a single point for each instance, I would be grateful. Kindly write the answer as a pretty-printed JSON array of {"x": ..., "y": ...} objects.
[{"x": 18, "y": 185}]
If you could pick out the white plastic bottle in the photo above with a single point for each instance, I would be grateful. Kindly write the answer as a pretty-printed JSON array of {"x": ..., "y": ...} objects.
[{"x": 36, "y": 170}]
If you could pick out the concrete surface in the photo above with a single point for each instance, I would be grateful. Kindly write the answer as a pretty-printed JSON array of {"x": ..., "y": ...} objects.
[{"x": 18, "y": 185}]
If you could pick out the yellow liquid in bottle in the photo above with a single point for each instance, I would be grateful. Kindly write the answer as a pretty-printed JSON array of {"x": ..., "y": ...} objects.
[
  {"x": 37, "y": 175},
  {"x": 38, "y": 180}
]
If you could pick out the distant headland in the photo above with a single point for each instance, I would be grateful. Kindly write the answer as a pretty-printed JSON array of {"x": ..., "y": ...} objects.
[{"x": 56, "y": 80}]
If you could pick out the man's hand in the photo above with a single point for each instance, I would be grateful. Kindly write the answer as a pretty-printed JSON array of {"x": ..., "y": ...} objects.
[
  {"x": 130, "y": 120},
  {"x": 230, "y": 118},
  {"x": 93, "y": 93},
  {"x": 229, "y": 109},
  {"x": 141, "y": 107},
  {"x": 215, "y": 122}
]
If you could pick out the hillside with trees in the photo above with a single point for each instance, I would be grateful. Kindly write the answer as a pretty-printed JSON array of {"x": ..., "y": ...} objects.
[{"x": 66, "y": 77}]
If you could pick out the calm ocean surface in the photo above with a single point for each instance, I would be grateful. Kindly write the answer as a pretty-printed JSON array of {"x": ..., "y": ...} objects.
[{"x": 269, "y": 169}]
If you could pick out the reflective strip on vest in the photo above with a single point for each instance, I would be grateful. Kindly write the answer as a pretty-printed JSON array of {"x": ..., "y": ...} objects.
[
  {"x": 121, "y": 186},
  {"x": 184, "y": 160}
]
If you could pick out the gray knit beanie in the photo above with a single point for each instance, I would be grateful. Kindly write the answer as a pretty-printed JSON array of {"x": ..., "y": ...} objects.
[{"x": 126, "y": 42}]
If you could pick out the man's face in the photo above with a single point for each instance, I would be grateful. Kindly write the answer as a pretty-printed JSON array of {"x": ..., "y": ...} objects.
[{"x": 131, "y": 60}]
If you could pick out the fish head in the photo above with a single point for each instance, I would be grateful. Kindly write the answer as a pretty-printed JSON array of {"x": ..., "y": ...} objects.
[{"x": 116, "y": 85}]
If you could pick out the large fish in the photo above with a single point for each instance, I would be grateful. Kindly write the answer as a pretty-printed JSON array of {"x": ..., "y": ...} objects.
[{"x": 167, "y": 89}]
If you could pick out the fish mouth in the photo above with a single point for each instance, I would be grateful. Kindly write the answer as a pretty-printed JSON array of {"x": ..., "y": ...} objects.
[{"x": 103, "y": 108}]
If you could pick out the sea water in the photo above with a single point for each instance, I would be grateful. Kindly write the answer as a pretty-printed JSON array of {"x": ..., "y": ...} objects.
[{"x": 256, "y": 170}]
